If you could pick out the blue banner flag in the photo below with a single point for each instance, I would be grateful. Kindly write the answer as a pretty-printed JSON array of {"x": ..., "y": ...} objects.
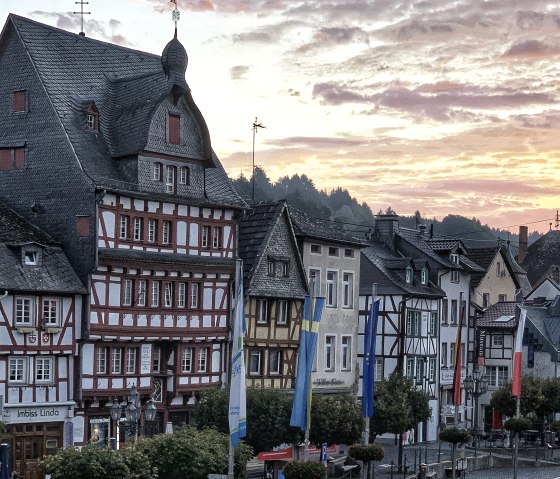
[
  {"x": 237, "y": 394},
  {"x": 301, "y": 408},
  {"x": 368, "y": 369}
]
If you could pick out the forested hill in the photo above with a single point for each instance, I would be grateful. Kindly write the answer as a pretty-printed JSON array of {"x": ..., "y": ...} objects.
[{"x": 345, "y": 212}]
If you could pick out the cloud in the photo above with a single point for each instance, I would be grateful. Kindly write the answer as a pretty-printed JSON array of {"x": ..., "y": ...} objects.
[
  {"x": 238, "y": 72},
  {"x": 530, "y": 49}
]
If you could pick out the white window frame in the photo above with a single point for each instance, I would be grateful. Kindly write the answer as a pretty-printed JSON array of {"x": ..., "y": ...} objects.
[
  {"x": 330, "y": 352},
  {"x": 444, "y": 361},
  {"x": 282, "y": 311},
  {"x": 270, "y": 267},
  {"x": 349, "y": 253},
  {"x": 332, "y": 289},
  {"x": 205, "y": 237},
  {"x": 497, "y": 341},
  {"x": 101, "y": 353},
  {"x": 195, "y": 295},
  {"x": 127, "y": 292},
  {"x": 346, "y": 352},
  {"x": 378, "y": 371},
  {"x": 31, "y": 258},
  {"x": 169, "y": 179},
  {"x": 410, "y": 368},
  {"x": 317, "y": 247},
  {"x": 18, "y": 365},
  {"x": 116, "y": 360},
  {"x": 156, "y": 172},
  {"x": 217, "y": 237},
  {"x": 24, "y": 314},
  {"x": 152, "y": 230},
  {"x": 432, "y": 369},
  {"x": 315, "y": 281},
  {"x": 409, "y": 275},
  {"x": 51, "y": 317},
  {"x": 123, "y": 227},
  {"x": 262, "y": 311},
  {"x": 420, "y": 370},
  {"x": 255, "y": 353},
  {"x": 413, "y": 323},
  {"x": 156, "y": 359},
  {"x": 433, "y": 323},
  {"x": 181, "y": 294},
  {"x": 347, "y": 290},
  {"x": 454, "y": 312},
  {"x": 168, "y": 299},
  {"x": 166, "y": 232},
  {"x": 187, "y": 360},
  {"x": 154, "y": 294},
  {"x": 138, "y": 228},
  {"x": 277, "y": 353},
  {"x": 131, "y": 360},
  {"x": 141, "y": 299},
  {"x": 424, "y": 276},
  {"x": 202, "y": 360},
  {"x": 183, "y": 175}
]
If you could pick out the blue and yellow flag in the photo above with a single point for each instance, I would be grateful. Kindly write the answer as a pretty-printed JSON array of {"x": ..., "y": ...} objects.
[
  {"x": 301, "y": 408},
  {"x": 368, "y": 367}
]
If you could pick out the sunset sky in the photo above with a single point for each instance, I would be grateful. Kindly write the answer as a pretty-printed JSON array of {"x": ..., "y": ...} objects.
[{"x": 441, "y": 106}]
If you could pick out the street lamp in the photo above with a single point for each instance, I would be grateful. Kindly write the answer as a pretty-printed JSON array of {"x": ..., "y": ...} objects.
[
  {"x": 476, "y": 385},
  {"x": 116, "y": 411}
]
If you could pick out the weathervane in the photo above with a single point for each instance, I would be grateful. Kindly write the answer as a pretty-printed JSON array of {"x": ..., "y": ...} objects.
[
  {"x": 256, "y": 126},
  {"x": 81, "y": 3},
  {"x": 175, "y": 15}
]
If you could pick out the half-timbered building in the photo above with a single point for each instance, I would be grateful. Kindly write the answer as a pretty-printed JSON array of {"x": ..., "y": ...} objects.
[
  {"x": 40, "y": 316},
  {"x": 104, "y": 147},
  {"x": 275, "y": 286},
  {"x": 332, "y": 262},
  {"x": 408, "y": 325}
]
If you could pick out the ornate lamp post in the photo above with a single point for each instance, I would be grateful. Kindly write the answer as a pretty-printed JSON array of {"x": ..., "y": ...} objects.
[
  {"x": 116, "y": 410},
  {"x": 476, "y": 385}
]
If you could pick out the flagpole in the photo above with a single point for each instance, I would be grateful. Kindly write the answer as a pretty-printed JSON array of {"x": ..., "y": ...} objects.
[
  {"x": 230, "y": 461},
  {"x": 516, "y": 438},
  {"x": 367, "y": 418}
]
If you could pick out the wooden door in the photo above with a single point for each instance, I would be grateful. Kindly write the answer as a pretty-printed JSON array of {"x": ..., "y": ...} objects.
[{"x": 28, "y": 450}]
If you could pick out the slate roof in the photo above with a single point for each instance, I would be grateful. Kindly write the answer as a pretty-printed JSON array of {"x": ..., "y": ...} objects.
[
  {"x": 256, "y": 231},
  {"x": 379, "y": 265},
  {"x": 308, "y": 227},
  {"x": 499, "y": 310},
  {"x": 420, "y": 242},
  {"x": 542, "y": 255},
  {"x": 543, "y": 325},
  {"x": 126, "y": 86},
  {"x": 53, "y": 274}
]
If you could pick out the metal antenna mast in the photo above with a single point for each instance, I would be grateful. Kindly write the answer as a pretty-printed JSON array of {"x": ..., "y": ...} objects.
[
  {"x": 256, "y": 127},
  {"x": 81, "y": 3}
]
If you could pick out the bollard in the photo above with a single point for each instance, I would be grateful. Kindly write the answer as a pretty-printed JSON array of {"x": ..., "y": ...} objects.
[
  {"x": 415, "y": 452},
  {"x": 392, "y": 465},
  {"x": 422, "y": 474},
  {"x": 426, "y": 455}
]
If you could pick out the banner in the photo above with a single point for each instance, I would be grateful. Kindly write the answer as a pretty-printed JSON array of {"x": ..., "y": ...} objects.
[
  {"x": 368, "y": 368},
  {"x": 516, "y": 380}
]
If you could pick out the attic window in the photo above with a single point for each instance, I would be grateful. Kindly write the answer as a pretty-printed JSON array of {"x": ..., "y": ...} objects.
[
  {"x": 92, "y": 118},
  {"x": 409, "y": 275},
  {"x": 31, "y": 258},
  {"x": 19, "y": 101},
  {"x": 424, "y": 276},
  {"x": 174, "y": 129}
]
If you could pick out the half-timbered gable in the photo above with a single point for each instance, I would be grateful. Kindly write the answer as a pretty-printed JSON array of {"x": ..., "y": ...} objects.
[
  {"x": 275, "y": 286},
  {"x": 332, "y": 262},
  {"x": 40, "y": 319},
  {"x": 408, "y": 324}
]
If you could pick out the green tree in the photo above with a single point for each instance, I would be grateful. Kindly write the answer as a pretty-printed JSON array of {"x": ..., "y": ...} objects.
[
  {"x": 100, "y": 463},
  {"x": 454, "y": 436},
  {"x": 305, "y": 470},
  {"x": 335, "y": 419},
  {"x": 532, "y": 398}
]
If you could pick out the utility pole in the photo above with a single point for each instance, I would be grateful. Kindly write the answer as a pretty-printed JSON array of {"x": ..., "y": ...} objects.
[{"x": 256, "y": 126}]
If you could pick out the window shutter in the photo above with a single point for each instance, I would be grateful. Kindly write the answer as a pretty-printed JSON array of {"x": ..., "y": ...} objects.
[
  {"x": 20, "y": 158},
  {"x": 6, "y": 160},
  {"x": 174, "y": 129},
  {"x": 19, "y": 101}
]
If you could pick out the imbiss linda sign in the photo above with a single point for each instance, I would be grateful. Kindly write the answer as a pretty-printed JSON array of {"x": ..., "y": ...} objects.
[{"x": 17, "y": 415}]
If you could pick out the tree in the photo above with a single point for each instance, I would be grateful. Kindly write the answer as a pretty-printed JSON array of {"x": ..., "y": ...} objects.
[
  {"x": 305, "y": 470},
  {"x": 335, "y": 419},
  {"x": 366, "y": 453},
  {"x": 454, "y": 436},
  {"x": 101, "y": 463},
  {"x": 192, "y": 453}
]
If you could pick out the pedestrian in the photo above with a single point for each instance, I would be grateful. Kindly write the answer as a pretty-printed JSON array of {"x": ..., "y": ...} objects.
[
  {"x": 403, "y": 437},
  {"x": 411, "y": 436}
]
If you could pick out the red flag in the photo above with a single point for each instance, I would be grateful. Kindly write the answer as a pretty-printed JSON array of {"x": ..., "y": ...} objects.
[
  {"x": 458, "y": 351},
  {"x": 516, "y": 382}
]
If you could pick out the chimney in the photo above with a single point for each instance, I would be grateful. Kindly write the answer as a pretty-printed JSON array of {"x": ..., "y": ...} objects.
[
  {"x": 422, "y": 228},
  {"x": 523, "y": 240},
  {"x": 385, "y": 228}
]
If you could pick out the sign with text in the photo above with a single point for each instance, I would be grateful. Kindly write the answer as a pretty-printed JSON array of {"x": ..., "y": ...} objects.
[{"x": 19, "y": 415}]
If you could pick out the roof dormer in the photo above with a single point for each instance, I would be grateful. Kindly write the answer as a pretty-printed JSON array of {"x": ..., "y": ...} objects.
[{"x": 31, "y": 255}]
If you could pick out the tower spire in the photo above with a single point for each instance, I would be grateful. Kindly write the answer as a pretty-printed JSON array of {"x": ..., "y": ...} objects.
[{"x": 175, "y": 15}]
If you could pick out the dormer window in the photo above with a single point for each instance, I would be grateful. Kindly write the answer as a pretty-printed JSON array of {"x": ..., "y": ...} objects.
[
  {"x": 409, "y": 275},
  {"x": 92, "y": 118},
  {"x": 19, "y": 101},
  {"x": 174, "y": 126},
  {"x": 170, "y": 179},
  {"x": 30, "y": 258},
  {"x": 156, "y": 172},
  {"x": 424, "y": 278},
  {"x": 184, "y": 175}
]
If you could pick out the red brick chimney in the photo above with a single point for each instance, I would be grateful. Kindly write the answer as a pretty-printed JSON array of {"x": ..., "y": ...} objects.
[{"x": 523, "y": 241}]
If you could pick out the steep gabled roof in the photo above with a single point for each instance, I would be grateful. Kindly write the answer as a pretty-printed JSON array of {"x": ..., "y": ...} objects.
[
  {"x": 421, "y": 243},
  {"x": 543, "y": 257},
  {"x": 504, "y": 315}
]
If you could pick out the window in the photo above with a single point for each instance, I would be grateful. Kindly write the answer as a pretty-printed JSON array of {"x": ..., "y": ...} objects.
[
  {"x": 409, "y": 275},
  {"x": 282, "y": 312},
  {"x": 454, "y": 272},
  {"x": 101, "y": 360},
  {"x": 83, "y": 225},
  {"x": 316, "y": 249},
  {"x": 424, "y": 277},
  {"x": 285, "y": 268},
  {"x": 498, "y": 269},
  {"x": 419, "y": 370},
  {"x": 25, "y": 308},
  {"x": 255, "y": 362},
  {"x": 432, "y": 370},
  {"x": 137, "y": 229},
  {"x": 131, "y": 358},
  {"x": 262, "y": 310},
  {"x": 502, "y": 298},
  {"x": 184, "y": 175},
  {"x": 92, "y": 118},
  {"x": 333, "y": 251},
  {"x": 497, "y": 375},
  {"x": 12, "y": 158},
  {"x": 410, "y": 368},
  {"x": 452, "y": 354},
  {"x": 444, "y": 311},
  {"x": 413, "y": 323},
  {"x": 50, "y": 312},
  {"x": 195, "y": 291},
  {"x": 443, "y": 356},
  {"x": 116, "y": 360},
  {"x": 453, "y": 311},
  {"x": 156, "y": 172},
  {"x": 348, "y": 253},
  {"x": 271, "y": 267},
  {"x": 156, "y": 359},
  {"x": 187, "y": 360},
  {"x": 346, "y": 353},
  {"x": 169, "y": 179},
  {"x": 332, "y": 287},
  {"x": 168, "y": 299},
  {"x": 274, "y": 362},
  {"x": 30, "y": 258},
  {"x": 181, "y": 294},
  {"x": 19, "y": 101},
  {"x": 202, "y": 360},
  {"x": 485, "y": 300},
  {"x": 330, "y": 343},
  {"x": 315, "y": 282},
  {"x": 433, "y": 324},
  {"x": 155, "y": 294},
  {"x": 174, "y": 129},
  {"x": 217, "y": 237},
  {"x": 378, "y": 372},
  {"x": 205, "y": 242},
  {"x": 17, "y": 370},
  {"x": 166, "y": 232},
  {"x": 152, "y": 231},
  {"x": 497, "y": 340},
  {"x": 123, "y": 227},
  {"x": 347, "y": 290},
  {"x": 127, "y": 292},
  {"x": 141, "y": 301}
]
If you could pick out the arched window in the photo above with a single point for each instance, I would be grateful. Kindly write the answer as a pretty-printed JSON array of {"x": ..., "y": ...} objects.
[
  {"x": 170, "y": 175},
  {"x": 184, "y": 175}
]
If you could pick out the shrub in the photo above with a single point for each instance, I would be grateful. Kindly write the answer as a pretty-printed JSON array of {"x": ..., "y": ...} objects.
[
  {"x": 366, "y": 453},
  {"x": 305, "y": 470},
  {"x": 454, "y": 435},
  {"x": 518, "y": 425}
]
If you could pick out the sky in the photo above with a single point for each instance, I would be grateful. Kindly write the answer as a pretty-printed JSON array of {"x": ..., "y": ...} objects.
[{"x": 440, "y": 106}]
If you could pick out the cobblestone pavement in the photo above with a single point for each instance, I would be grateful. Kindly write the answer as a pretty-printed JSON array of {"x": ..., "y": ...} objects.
[{"x": 525, "y": 473}]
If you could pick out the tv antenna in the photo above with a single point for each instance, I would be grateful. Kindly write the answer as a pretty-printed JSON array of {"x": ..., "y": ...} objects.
[
  {"x": 256, "y": 126},
  {"x": 81, "y": 3}
]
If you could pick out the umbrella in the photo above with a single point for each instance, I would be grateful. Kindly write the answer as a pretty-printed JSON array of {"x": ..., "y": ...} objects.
[{"x": 4, "y": 462}]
